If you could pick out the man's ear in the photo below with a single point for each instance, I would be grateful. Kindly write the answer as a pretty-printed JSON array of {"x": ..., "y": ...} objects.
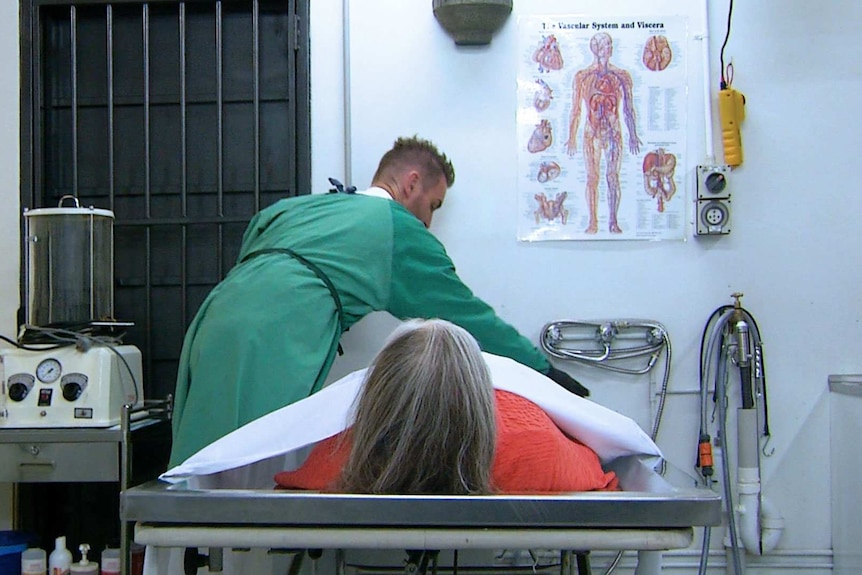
[{"x": 411, "y": 180}]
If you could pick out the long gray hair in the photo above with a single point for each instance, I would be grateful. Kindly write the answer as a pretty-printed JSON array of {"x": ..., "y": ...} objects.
[{"x": 425, "y": 417}]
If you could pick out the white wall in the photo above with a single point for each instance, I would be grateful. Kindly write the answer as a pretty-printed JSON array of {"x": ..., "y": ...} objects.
[
  {"x": 795, "y": 211},
  {"x": 792, "y": 250},
  {"x": 9, "y": 193},
  {"x": 9, "y": 167}
]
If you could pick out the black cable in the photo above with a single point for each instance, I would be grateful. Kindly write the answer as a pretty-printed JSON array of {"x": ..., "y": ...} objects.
[
  {"x": 762, "y": 364},
  {"x": 703, "y": 336},
  {"x": 708, "y": 327},
  {"x": 762, "y": 360},
  {"x": 715, "y": 314},
  {"x": 28, "y": 348},
  {"x": 763, "y": 390},
  {"x": 724, "y": 83}
]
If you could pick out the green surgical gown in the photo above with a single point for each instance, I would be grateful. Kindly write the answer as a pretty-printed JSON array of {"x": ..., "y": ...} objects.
[{"x": 267, "y": 335}]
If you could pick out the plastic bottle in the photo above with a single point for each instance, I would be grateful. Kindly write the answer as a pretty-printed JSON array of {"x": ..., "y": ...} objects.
[
  {"x": 137, "y": 561},
  {"x": 60, "y": 559},
  {"x": 34, "y": 562},
  {"x": 110, "y": 561},
  {"x": 85, "y": 566}
]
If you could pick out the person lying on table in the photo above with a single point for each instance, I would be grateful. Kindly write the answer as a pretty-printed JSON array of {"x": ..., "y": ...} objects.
[{"x": 428, "y": 421}]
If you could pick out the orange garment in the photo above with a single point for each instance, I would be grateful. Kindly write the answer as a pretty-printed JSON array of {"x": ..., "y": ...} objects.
[{"x": 533, "y": 456}]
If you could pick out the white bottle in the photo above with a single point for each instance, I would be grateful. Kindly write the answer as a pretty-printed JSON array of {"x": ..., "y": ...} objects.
[
  {"x": 60, "y": 559},
  {"x": 33, "y": 562},
  {"x": 85, "y": 566},
  {"x": 110, "y": 561}
]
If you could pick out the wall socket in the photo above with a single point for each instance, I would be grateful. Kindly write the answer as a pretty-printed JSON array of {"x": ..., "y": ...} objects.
[{"x": 713, "y": 200}]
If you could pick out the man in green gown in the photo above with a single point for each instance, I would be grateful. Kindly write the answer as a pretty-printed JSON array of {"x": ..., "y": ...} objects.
[{"x": 309, "y": 268}]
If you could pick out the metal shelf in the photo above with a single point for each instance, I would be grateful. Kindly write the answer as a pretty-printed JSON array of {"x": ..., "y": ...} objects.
[{"x": 78, "y": 455}]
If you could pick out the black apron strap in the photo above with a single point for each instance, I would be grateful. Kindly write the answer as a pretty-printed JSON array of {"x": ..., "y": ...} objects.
[{"x": 318, "y": 272}]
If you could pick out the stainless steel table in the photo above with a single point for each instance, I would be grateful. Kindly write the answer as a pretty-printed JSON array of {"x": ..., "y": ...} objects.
[{"x": 652, "y": 513}]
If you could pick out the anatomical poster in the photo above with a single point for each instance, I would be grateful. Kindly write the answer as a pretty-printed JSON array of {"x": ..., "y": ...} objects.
[{"x": 601, "y": 128}]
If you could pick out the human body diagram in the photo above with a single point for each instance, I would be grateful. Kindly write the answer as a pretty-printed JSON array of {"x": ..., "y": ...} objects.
[
  {"x": 605, "y": 91},
  {"x": 658, "y": 167},
  {"x": 601, "y": 128}
]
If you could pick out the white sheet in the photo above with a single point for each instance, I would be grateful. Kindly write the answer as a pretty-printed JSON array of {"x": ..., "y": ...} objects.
[{"x": 250, "y": 456}]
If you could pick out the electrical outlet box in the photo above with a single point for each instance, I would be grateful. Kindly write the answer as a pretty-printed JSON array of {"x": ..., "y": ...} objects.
[
  {"x": 713, "y": 217},
  {"x": 713, "y": 200},
  {"x": 712, "y": 182}
]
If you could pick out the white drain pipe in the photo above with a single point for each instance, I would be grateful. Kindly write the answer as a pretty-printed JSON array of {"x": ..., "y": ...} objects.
[
  {"x": 649, "y": 563},
  {"x": 760, "y": 523}
]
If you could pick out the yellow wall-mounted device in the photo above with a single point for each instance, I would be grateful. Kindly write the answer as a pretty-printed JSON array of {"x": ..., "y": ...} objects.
[{"x": 731, "y": 111}]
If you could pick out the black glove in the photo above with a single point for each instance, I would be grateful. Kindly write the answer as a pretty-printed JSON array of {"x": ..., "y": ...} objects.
[{"x": 567, "y": 382}]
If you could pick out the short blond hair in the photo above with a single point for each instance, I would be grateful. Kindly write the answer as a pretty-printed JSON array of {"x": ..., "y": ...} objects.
[{"x": 420, "y": 154}]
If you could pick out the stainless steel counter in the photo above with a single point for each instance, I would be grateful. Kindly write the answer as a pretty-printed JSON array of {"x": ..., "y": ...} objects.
[
  {"x": 654, "y": 504},
  {"x": 654, "y": 513}
]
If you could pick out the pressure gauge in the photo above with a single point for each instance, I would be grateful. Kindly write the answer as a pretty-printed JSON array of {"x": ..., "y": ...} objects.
[{"x": 48, "y": 370}]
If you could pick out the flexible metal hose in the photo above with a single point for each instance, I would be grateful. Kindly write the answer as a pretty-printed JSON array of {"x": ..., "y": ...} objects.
[{"x": 552, "y": 337}]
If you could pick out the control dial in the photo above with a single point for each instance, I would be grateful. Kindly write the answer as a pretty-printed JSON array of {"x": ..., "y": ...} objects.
[
  {"x": 715, "y": 182},
  {"x": 73, "y": 385},
  {"x": 20, "y": 385}
]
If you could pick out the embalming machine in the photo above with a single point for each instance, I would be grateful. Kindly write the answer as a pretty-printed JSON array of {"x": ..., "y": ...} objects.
[{"x": 69, "y": 367}]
